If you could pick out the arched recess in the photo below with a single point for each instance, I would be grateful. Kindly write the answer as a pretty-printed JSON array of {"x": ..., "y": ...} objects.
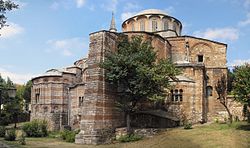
[
  {"x": 199, "y": 53},
  {"x": 209, "y": 91}
]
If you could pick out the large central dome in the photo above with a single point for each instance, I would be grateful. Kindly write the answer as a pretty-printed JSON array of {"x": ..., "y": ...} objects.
[
  {"x": 151, "y": 11},
  {"x": 155, "y": 21}
]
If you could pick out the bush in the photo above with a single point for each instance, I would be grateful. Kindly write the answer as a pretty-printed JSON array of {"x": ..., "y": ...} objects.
[
  {"x": 35, "y": 128},
  {"x": 188, "y": 125},
  {"x": 129, "y": 138},
  {"x": 22, "y": 139},
  {"x": 68, "y": 136},
  {"x": 10, "y": 135},
  {"x": 54, "y": 134},
  {"x": 2, "y": 131}
]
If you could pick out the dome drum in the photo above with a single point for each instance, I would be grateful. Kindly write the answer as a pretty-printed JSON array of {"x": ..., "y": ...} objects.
[{"x": 153, "y": 20}]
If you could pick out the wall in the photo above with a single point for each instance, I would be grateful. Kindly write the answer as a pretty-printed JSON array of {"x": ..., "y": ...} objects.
[
  {"x": 214, "y": 60},
  {"x": 98, "y": 112}
]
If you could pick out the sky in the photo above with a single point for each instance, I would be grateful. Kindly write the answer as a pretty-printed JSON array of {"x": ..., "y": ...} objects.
[{"x": 46, "y": 34}]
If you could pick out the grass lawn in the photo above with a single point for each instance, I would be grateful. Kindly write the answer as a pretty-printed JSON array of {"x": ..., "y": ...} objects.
[{"x": 204, "y": 136}]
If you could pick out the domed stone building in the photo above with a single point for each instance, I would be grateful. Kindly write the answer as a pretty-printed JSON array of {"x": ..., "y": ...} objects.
[
  {"x": 153, "y": 20},
  {"x": 79, "y": 97}
]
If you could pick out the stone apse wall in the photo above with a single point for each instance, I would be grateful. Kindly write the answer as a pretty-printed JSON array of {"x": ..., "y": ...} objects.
[{"x": 50, "y": 100}]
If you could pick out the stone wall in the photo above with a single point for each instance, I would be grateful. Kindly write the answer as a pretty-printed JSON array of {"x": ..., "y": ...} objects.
[
  {"x": 49, "y": 100},
  {"x": 98, "y": 112},
  {"x": 192, "y": 105},
  {"x": 214, "y": 61},
  {"x": 161, "y": 46},
  {"x": 76, "y": 101}
]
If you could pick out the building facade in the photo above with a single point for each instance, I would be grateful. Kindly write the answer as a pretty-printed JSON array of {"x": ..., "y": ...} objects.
[{"x": 78, "y": 96}]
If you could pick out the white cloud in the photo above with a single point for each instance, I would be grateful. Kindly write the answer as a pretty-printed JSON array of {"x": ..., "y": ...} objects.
[
  {"x": 67, "y": 4},
  {"x": 131, "y": 6},
  {"x": 238, "y": 62},
  {"x": 11, "y": 30},
  {"x": 126, "y": 15},
  {"x": 245, "y": 22},
  {"x": 66, "y": 47},
  {"x": 170, "y": 10},
  {"x": 80, "y": 3},
  {"x": 54, "y": 5},
  {"x": 227, "y": 33},
  {"x": 110, "y": 5},
  {"x": 16, "y": 77}
]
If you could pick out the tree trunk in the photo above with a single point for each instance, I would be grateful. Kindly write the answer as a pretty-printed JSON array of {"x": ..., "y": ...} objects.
[
  {"x": 128, "y": 122},
  {"x": 229, "y": 113}
]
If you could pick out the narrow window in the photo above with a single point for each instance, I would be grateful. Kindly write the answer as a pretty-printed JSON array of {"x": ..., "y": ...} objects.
[
  {"x": 142, "y": 25},
  {"x": 200, "y": 58},
  {"x": 37, "y": 95},
  {"x": 165, "y": 25},
  {"x": 181, "y": 95},
  {"x": 81, "y": 101},
  {"x": 154, "y": 25},
  {"x": 132, "y": 26},
  {"x": 174, "y": 27},
  {"x": 209, "y": 91},
  {"x": 172, "y": 95},
  {"x": 176, "y": 95}
]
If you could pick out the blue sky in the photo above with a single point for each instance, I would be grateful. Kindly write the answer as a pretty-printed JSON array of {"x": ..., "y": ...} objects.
[{"x": 45, "y": 34}]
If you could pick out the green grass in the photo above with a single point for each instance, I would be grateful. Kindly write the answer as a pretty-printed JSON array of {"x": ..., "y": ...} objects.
[{"x": 205, "y": 136}]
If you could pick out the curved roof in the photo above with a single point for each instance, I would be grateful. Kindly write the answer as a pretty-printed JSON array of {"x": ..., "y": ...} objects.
[{"x": 151, "y": 11}]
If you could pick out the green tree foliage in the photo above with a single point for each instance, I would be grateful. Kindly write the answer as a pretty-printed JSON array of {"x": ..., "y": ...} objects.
[
  {"x": 5, "y": 5},
  {"x": 134, "y": 69},
  {"x": 230, "y": 79},
  {"x": 12, "y": 107},
  {"x": 241, "y": 85},
  {"x": 27, "y": 91},
  {"x": 221, "y": 89},
  {"x": 36, "y": 128}
]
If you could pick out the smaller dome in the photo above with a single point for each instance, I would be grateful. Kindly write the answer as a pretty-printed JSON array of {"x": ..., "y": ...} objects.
[{"x": 151, "y": 11}]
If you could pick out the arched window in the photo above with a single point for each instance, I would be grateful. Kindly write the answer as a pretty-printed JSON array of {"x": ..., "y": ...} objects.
[
  {"x": 165, "y": 25},
  {"x": 81, "y": 98},
  {"x": 154, "y": 25},
  {"x": 142, "y": 25},
  {"x": 209, "y": 91},
  {"x": 174, "y": 27},
  {"x": 176, "y": 95},
  {"x": 132, "y": 26},
  {"x": 181, "y": 95}
]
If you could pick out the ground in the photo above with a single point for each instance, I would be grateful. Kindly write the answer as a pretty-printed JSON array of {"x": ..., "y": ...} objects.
[{"x": 201, "y": 136}]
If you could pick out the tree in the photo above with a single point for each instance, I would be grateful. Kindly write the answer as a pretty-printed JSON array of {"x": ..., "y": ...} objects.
[
  {"x": 138, "y": 75},
  {"x": 230, "y": 79},
  {"x": 12, "y": 109},
  {"x": 11, "y": 106},
  {"x": 27, "y": 91},
  {"x": 241, "y": 85},
  {"x": 221, "y": 89},
  {"x": 24, "y": 93},
  {"x": 5, "y": 6}
]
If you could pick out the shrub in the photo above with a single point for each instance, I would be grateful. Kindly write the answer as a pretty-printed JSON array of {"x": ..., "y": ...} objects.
[
  {"x": 216, "y": 120},
  {"x": 68, "y": 136},
  {"x": 129, "y": 138},
  {"x": 10, "y": 135},
  {"x": 54, "y": 134},
  {"x": 188, "y": 125},
  {"x": 22, "y": 139},
  {"x": 35, "y": 128},
  {"x": 2, "y": 131}
]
